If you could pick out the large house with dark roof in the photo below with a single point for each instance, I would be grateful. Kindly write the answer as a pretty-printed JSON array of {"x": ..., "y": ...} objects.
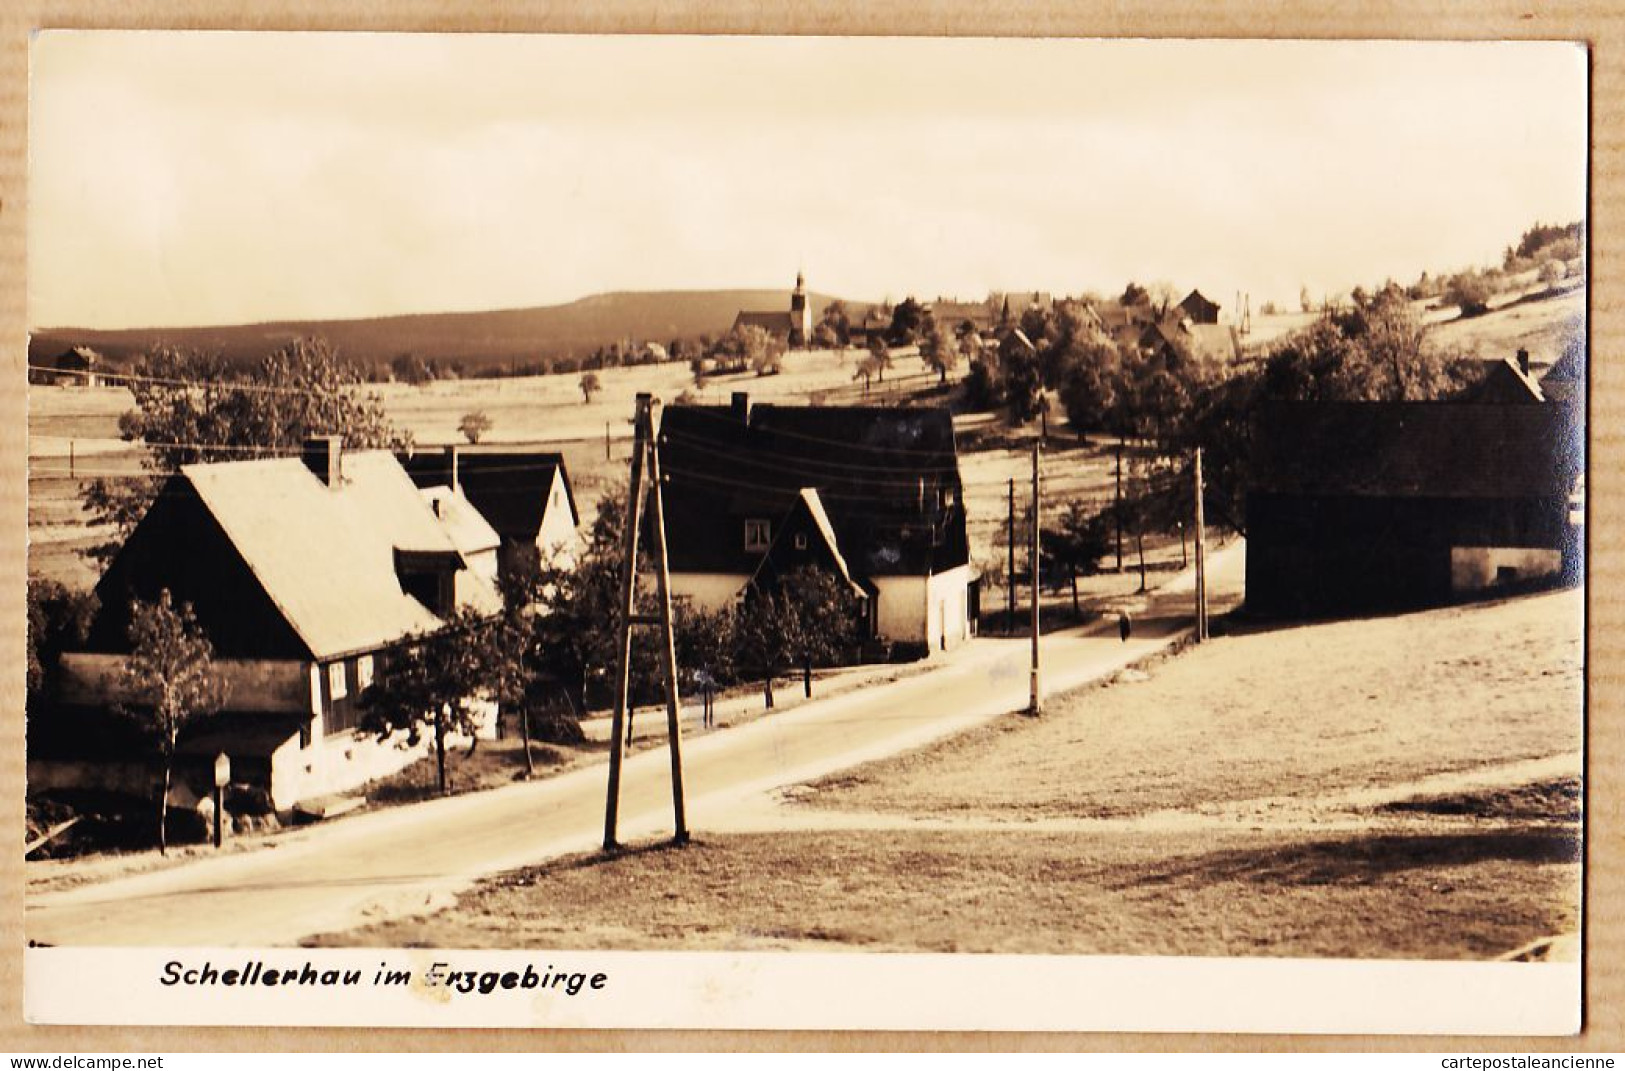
[
  {"x": 1374, "y": 506},
  {"x": 304, "y": 573},
  {"x": 872, "y": 494}
]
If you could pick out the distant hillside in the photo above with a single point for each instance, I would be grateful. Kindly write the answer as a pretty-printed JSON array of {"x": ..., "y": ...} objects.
[{"x": 471, "y": 338}]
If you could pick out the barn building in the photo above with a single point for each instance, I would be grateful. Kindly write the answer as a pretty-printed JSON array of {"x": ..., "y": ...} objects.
[
  {"x": 873, "y": 494},
  {"x": 1368, "y": 507}
]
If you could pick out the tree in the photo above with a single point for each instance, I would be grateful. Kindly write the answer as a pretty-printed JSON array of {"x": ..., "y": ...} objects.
[
  {"x": 809, "y": 616},
  {"x": 825, "y": 337},
  {"x": 1093, "y": 387},
  {"x": 474, "y": 425},
  {"x": 1076, "y": 545},
  {"x": 1471, "y": 292},
  {"x": 433, "y": 682},
  {"x": 589, "y": 386},
  {"x": 576, "y": 636},
  {"x": 1022, "y": 377},
  {"x": 876, "y": 363},
  {"x": 1305, "y": 301},
  {"x": 940, "y": 353},
  {"x": 169, "y": 676},
  {"x": 906, "y": 322},
  {"x": 836, "y": 321},
  {"x": 1134, "y": 294},
  {"x": 57, "y": 617},
  {"x": 763, "y": 351},
  {"x": 192, "y": 407}
]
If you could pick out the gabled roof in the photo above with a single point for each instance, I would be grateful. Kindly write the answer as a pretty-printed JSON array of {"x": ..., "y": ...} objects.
[
  {"x": 1505, "y": 383},
  {"x": 469, "y": 532},
  {"x": 326, "y": 556},
  {"x": 510, "y": 486},
  {"x": 950, "y": 314},
  {"x": 1413, "y": 449},
  {"x": 887, "y": 481},
  {"x": 809, "y": 502},
  {"x": 1196, "y": 300},
  {"x": 771, "y": 322}
]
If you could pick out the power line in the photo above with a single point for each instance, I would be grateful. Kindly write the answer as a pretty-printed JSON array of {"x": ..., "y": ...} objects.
[{"x": 247, "y": 386}]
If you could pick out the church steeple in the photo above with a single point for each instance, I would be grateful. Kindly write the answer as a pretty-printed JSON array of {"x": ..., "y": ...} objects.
[{"x": 800, "y": 313}]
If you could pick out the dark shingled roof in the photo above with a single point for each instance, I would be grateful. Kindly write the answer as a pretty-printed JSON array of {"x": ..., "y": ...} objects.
[
  {"x": 509, "y": 485},
  {"x": 774, "y": 323},
  {"x": 887, "y": 478},
  {"x": 1414, "y": 450}
]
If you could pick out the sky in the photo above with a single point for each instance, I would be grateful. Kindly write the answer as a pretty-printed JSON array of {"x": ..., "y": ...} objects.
[{"x": 214, "y": 178}]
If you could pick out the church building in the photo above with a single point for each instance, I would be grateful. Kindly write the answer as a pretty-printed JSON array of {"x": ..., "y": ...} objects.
[{"x": 794, "y": 327}]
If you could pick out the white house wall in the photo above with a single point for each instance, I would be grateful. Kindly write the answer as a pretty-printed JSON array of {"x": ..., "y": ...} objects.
[
  {"x": 900, "y": 611},
  {"x": 707, "y": 591},
  {"x": 1476, "y": 568},
  {"x": 558, "y": 539},
  {"x": 948, "y": 608}
]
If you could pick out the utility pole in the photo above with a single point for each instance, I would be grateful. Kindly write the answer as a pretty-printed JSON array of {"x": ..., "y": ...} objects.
[
  {"x": 1201, "y": 557},
  {"x": 1117, "y": 508},
  {"x": 1034, "y": 706},
  {"x": 643, "y": 449},
  {"x": 668, "y": 642},
  {"x": 606, "y": 440},
  {"x": 1010, "y": 572}
]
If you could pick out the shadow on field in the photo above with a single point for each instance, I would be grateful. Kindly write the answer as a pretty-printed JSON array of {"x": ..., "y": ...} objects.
[{"x": 1363, "y": 859}]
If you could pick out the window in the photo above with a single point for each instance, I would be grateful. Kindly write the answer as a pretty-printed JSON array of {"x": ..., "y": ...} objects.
[
  {"x": 801, "y": 540},
  {"x": 363, "y": 673},
  {"x": 756, "y": 535},
  {"x": 335, "y": 681}
]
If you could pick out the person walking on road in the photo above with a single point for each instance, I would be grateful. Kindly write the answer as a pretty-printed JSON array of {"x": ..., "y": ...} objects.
[{"x": 1124, "y": 626}]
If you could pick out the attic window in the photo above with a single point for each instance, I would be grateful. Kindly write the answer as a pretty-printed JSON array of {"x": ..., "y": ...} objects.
[
  {"x": 801, "y": 540},
  {"x": 756, "y": 535}
]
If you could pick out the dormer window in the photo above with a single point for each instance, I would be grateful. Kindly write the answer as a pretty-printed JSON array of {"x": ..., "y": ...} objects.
[{"x": 757, "y": 535}]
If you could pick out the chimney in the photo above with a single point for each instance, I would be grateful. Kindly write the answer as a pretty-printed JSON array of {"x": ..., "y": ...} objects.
[
  {"x": 741, "y": 406},
  {"x": 324, "y": 455},
  {"x": 1523, "y": 361},
  {"x": 451, "y": 467}
]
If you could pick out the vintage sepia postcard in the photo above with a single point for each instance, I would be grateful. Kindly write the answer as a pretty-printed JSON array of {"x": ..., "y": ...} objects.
[{"x": 806, "y": 533}]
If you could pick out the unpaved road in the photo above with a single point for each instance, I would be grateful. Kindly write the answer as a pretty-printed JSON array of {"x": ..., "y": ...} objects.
[{"x": 371, "y": 867}]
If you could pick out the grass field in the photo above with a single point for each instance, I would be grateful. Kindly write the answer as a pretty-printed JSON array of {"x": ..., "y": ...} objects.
[
  {"x": 1398, "y": 787},
  {"x": 73, "y": 433}
]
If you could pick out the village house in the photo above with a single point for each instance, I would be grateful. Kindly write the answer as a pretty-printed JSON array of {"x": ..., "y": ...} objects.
[
  {"x": 872, "y": 494},
  {"x": 955, "y": 317},
  {"x": 523, "y": 494},
  {"x": 304, "y": 573},
  {"x": 80, "y": 366},
  {"x": 1375, "y": 506},
  {"x": 794, "y": 327},
  {"x": 1167, "y": 338},
  {"x": 1198, "y": 309}
]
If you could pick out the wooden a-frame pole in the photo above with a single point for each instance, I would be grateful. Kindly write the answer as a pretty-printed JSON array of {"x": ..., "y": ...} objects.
[
  {"x": 668, "y": 640},
  {"x": 644, "y": 450}
]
